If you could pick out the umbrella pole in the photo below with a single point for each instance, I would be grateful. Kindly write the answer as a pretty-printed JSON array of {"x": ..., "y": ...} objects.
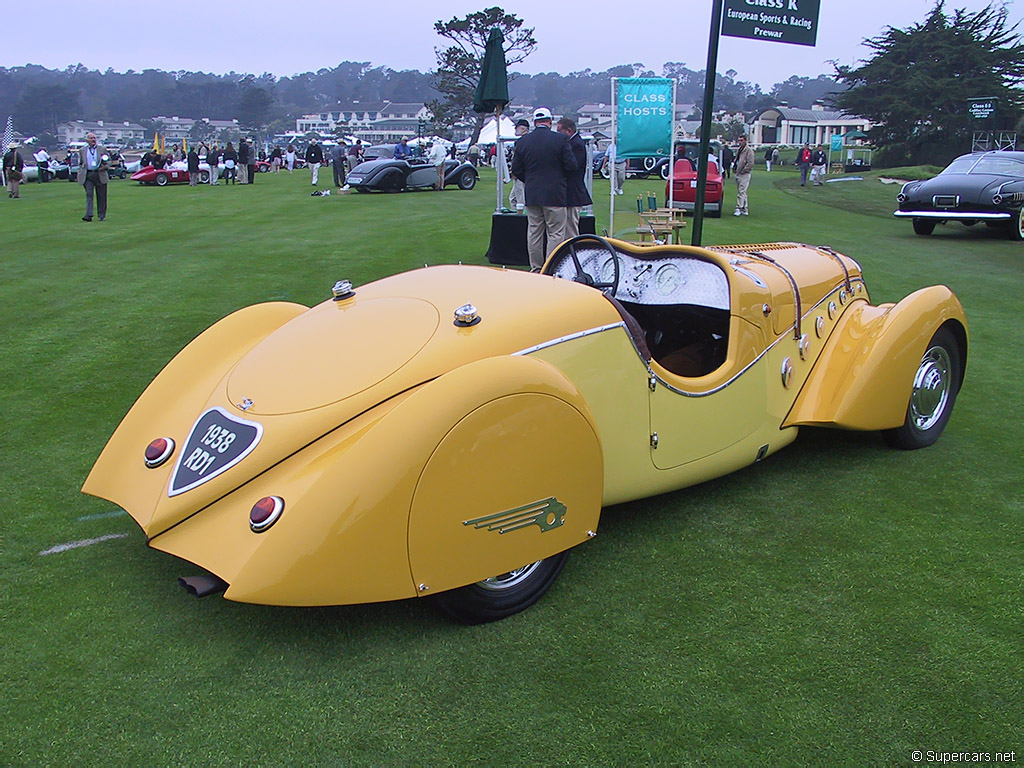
[{"x": 499, "y": 158}]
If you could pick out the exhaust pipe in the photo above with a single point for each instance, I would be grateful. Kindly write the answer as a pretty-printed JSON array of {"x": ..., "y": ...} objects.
[{"x": 201, "y": 586}]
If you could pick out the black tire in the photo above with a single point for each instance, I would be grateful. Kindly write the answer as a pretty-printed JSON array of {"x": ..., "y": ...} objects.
[
  {"x": 1017, "y": 226},
  {"x": 263, "y": 169},
  {"x": 924, "y": 226},
  {"x": 501, "y": 596},
  {"x": 204, "y": 177},
  {"x": 932, "y": 395},
  {"x": 161, "y": 179},
  {"x": 467, "y": 179}
]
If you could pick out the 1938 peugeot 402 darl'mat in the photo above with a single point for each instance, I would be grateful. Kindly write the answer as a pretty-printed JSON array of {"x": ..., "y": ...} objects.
[{"x": 395, "y": 441}]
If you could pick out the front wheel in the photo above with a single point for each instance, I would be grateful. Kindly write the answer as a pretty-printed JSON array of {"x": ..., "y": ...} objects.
[
  {"x": 467, "y": 179},
  {"x": 1017, "y": 227},
  {"x": 501, "y": 596},
  {"x": 161, "y": 179},
  {"x": 924, "y": 226},
  {"x": 204, "y": 177},
  {"x": 932, "y": 395}
]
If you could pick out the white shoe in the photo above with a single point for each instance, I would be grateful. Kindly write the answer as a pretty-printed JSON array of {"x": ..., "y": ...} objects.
[
  {"x": 746, "y": 213},
  {"x": 737, "y": 212}
]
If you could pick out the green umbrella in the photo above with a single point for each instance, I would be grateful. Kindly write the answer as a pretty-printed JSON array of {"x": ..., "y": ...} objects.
[{"x": 492, "y": 90}]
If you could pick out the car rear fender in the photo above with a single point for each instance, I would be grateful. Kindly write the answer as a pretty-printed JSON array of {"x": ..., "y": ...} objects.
[
  {"x": 863, "y": 377},
  {"x": 119, "y": 474},
  {"x": 379, "y": 506}
]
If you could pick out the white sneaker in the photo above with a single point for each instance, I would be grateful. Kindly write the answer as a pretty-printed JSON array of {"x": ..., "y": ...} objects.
[
  {"x": 737, "y": 212},
  {"x": 746, "y": 213}
]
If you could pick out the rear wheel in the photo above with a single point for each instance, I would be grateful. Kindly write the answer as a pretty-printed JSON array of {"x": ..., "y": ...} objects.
[
  {"x": 932, "y": 395},
  {"x": 204, "y": 177},
  {"x": 649, "y": 163},
  {"x": 503, "y": 595},
  {"x": 161, "y": 179},
  {"x": 1017, "y": 226},
  {"x": 467, "y": 179},
  {"x": 924, "y": 226}
]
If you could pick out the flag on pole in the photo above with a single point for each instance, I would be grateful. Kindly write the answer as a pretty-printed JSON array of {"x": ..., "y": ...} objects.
[
  {"x": 8, "y": 134},
  {"x": 156, "y": 142},
  {"x": 184, "y": 145}
]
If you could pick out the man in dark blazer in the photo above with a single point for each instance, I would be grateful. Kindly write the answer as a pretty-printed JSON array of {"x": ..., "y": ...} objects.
[
  {"x": 544, "y": 161},
  {"x": 92, "y": 174},
  {"x": 576, "y": 195}
]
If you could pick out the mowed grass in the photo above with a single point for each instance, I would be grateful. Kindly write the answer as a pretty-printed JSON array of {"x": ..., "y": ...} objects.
[{"x": 840, "y": 603}]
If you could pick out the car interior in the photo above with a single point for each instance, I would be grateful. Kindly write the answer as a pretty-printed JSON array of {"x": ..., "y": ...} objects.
[{"x": 675, "y": 305}]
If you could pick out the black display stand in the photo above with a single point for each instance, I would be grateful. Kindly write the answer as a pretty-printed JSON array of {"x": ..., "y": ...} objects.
[{"x": 508, "y": 238}]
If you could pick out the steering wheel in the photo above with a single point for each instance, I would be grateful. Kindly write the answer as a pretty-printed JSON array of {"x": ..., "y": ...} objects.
[{"x": 584, "y": 277}]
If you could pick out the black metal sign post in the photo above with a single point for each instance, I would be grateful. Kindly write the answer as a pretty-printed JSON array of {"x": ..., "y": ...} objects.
[
  {"x": 778, "y": 21},
  {"x": 705, "y": 125}
]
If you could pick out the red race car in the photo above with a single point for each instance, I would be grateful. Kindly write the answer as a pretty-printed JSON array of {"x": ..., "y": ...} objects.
[
  {"x": 683, "y": 188},
  {"x": 175, "y": 173}
]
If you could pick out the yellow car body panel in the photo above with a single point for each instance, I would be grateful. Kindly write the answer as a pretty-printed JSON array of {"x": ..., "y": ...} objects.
[
  {"x": 863, "y": 377},
  {"x": 415, "y": 454}
]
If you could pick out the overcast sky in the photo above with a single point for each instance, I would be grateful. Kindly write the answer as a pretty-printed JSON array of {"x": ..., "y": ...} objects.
[{"x": 287, "y": 38}]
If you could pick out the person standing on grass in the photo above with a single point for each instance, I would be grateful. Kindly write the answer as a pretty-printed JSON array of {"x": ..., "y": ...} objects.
[
  {"x": 13, "y": 166},
  {"x": 251, "y": 165},
  {"x": 92, "y": 175},
  {"x": 819, "y": 161},
  {"x": 768, "y": 159},
  {"x": 544, "y": 161},
  {"x": 230, "y": 161},
  {"x": 289, "y": 158},
  {"x": 338, "y": 164},
  {"x": 243, "y": 162},
  {"x": 213, "y": 160},
  {"x": 803, "y": 160},
  {"x": 355, "y": 155},
  {"x": 193, "y": 167},
  {"x": 576, "y": 195},
  {"x": 314, "y": 159},
  {"x": 437, "y": 157},
  {"x": 744, "y": 167},
  {"x": 275, "y": 159}
]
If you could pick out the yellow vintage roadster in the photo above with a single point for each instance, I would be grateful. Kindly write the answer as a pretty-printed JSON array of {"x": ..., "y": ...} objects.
[{"x": 454, "y": 431}]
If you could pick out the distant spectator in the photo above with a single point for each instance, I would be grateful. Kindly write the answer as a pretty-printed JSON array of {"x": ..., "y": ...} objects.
[
  {"x": 251, "y": 165},
  {"x": 728, "y": 158},
  {"x": 744, "y": 167},
  {"x": 819, "y": 164},
  {"x": 517, "y": 197},
  {"x": 402, "y": 150},
  {"x": 43, "y": 164},
  {"x": 437, "y": 157},
  {"x": 338, "y": 164},
  {"x": 243, "y": 162},
  {"x": 768, "y": 158},
  {"x": 314, "y": 159},
  {"x": 289, "y": 158},
  {"x": 276, "y": 159},
  {"x": 473, "y": 154},
  {"x": 193, "y": 166},
  {"x": 803, "y": 160},
  {"x": 355, "y": 155},
  {"x": 213, "y": 160},
  {"x": 230, "y": 161},
  {"x": 13, "y": 166}
]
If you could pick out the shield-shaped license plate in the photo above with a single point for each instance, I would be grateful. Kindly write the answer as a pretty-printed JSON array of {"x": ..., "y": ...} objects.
[{"x": 216, "y": 443}]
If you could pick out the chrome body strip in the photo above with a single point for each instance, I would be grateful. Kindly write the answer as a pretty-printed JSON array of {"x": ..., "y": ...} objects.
[
  {"x": 571, "y": 336},
  {"x": 949, "y": 215}
]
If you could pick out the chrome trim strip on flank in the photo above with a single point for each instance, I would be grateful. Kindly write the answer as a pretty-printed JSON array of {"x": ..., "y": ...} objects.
[
  {"x": 752, "y": 363},
  {"x": 570, "y": 337},
  {"x": 948, "y": 215}
]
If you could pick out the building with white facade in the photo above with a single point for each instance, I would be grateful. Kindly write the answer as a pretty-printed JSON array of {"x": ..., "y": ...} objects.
[
  {"x": 106, "y": 132},
  {"x": 374, "y": 122},
  {"x": 786, "y": 125}
]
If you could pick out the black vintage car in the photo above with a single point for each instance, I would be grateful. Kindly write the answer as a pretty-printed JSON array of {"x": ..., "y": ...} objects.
[
  {"x": 386, "y": 175},
  {"x": 981, "y": 187}
]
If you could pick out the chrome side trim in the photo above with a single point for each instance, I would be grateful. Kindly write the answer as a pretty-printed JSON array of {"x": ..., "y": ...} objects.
[
  {"x": 735, "y": 264},
  {"x": 571, "y": 336},
  {"x": 949, "y": 215}
]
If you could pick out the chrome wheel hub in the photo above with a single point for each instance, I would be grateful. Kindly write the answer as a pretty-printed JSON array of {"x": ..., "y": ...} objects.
[
  {"x": 932, "y": 386},
  {"x": 512, "y": 578}
]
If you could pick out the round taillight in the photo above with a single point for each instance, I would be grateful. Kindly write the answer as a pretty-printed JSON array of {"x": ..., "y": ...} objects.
[
  {"x": 901, "y": 198},
  {"x": 159, "y": 451},
  {"x": 997, "y": 199},
  {"x": 265, "y": 512}
]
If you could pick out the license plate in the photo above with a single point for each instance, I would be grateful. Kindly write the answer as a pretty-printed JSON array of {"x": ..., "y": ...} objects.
[
  {"x": 693, "y": 184},
  {"x": 354, "y": 179},
  {"x": 217, "y": 442}
]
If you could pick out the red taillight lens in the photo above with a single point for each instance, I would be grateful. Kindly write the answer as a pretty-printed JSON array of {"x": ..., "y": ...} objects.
[
  {"x": 265, "y": 512},
  {"x": 159, "y": 451}
]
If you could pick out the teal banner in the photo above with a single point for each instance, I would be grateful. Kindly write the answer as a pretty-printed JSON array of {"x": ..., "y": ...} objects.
[
  {"x": 644, "y": 117},
  {"x": 837, "y": 143}
]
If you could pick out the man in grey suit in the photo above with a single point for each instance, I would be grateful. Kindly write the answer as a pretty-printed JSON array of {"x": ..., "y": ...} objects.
[
  {"x": 543, "y": 160},
  {"x": 92, "y": 174}
]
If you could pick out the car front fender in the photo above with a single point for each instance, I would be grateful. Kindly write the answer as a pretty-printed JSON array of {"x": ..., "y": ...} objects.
[
  {"x": 378, "y": 509},
  {"x": 863, "y": 377}
]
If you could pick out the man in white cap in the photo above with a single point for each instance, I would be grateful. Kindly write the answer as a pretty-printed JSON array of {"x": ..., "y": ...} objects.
[{"x": 543, "y": 160}]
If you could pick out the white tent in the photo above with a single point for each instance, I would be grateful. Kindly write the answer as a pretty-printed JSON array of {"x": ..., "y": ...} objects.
[{"x": 489, "y": 133}]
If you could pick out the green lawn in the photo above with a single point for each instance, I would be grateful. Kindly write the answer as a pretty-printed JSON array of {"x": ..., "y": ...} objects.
[{"x": 840, "y": 603}]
